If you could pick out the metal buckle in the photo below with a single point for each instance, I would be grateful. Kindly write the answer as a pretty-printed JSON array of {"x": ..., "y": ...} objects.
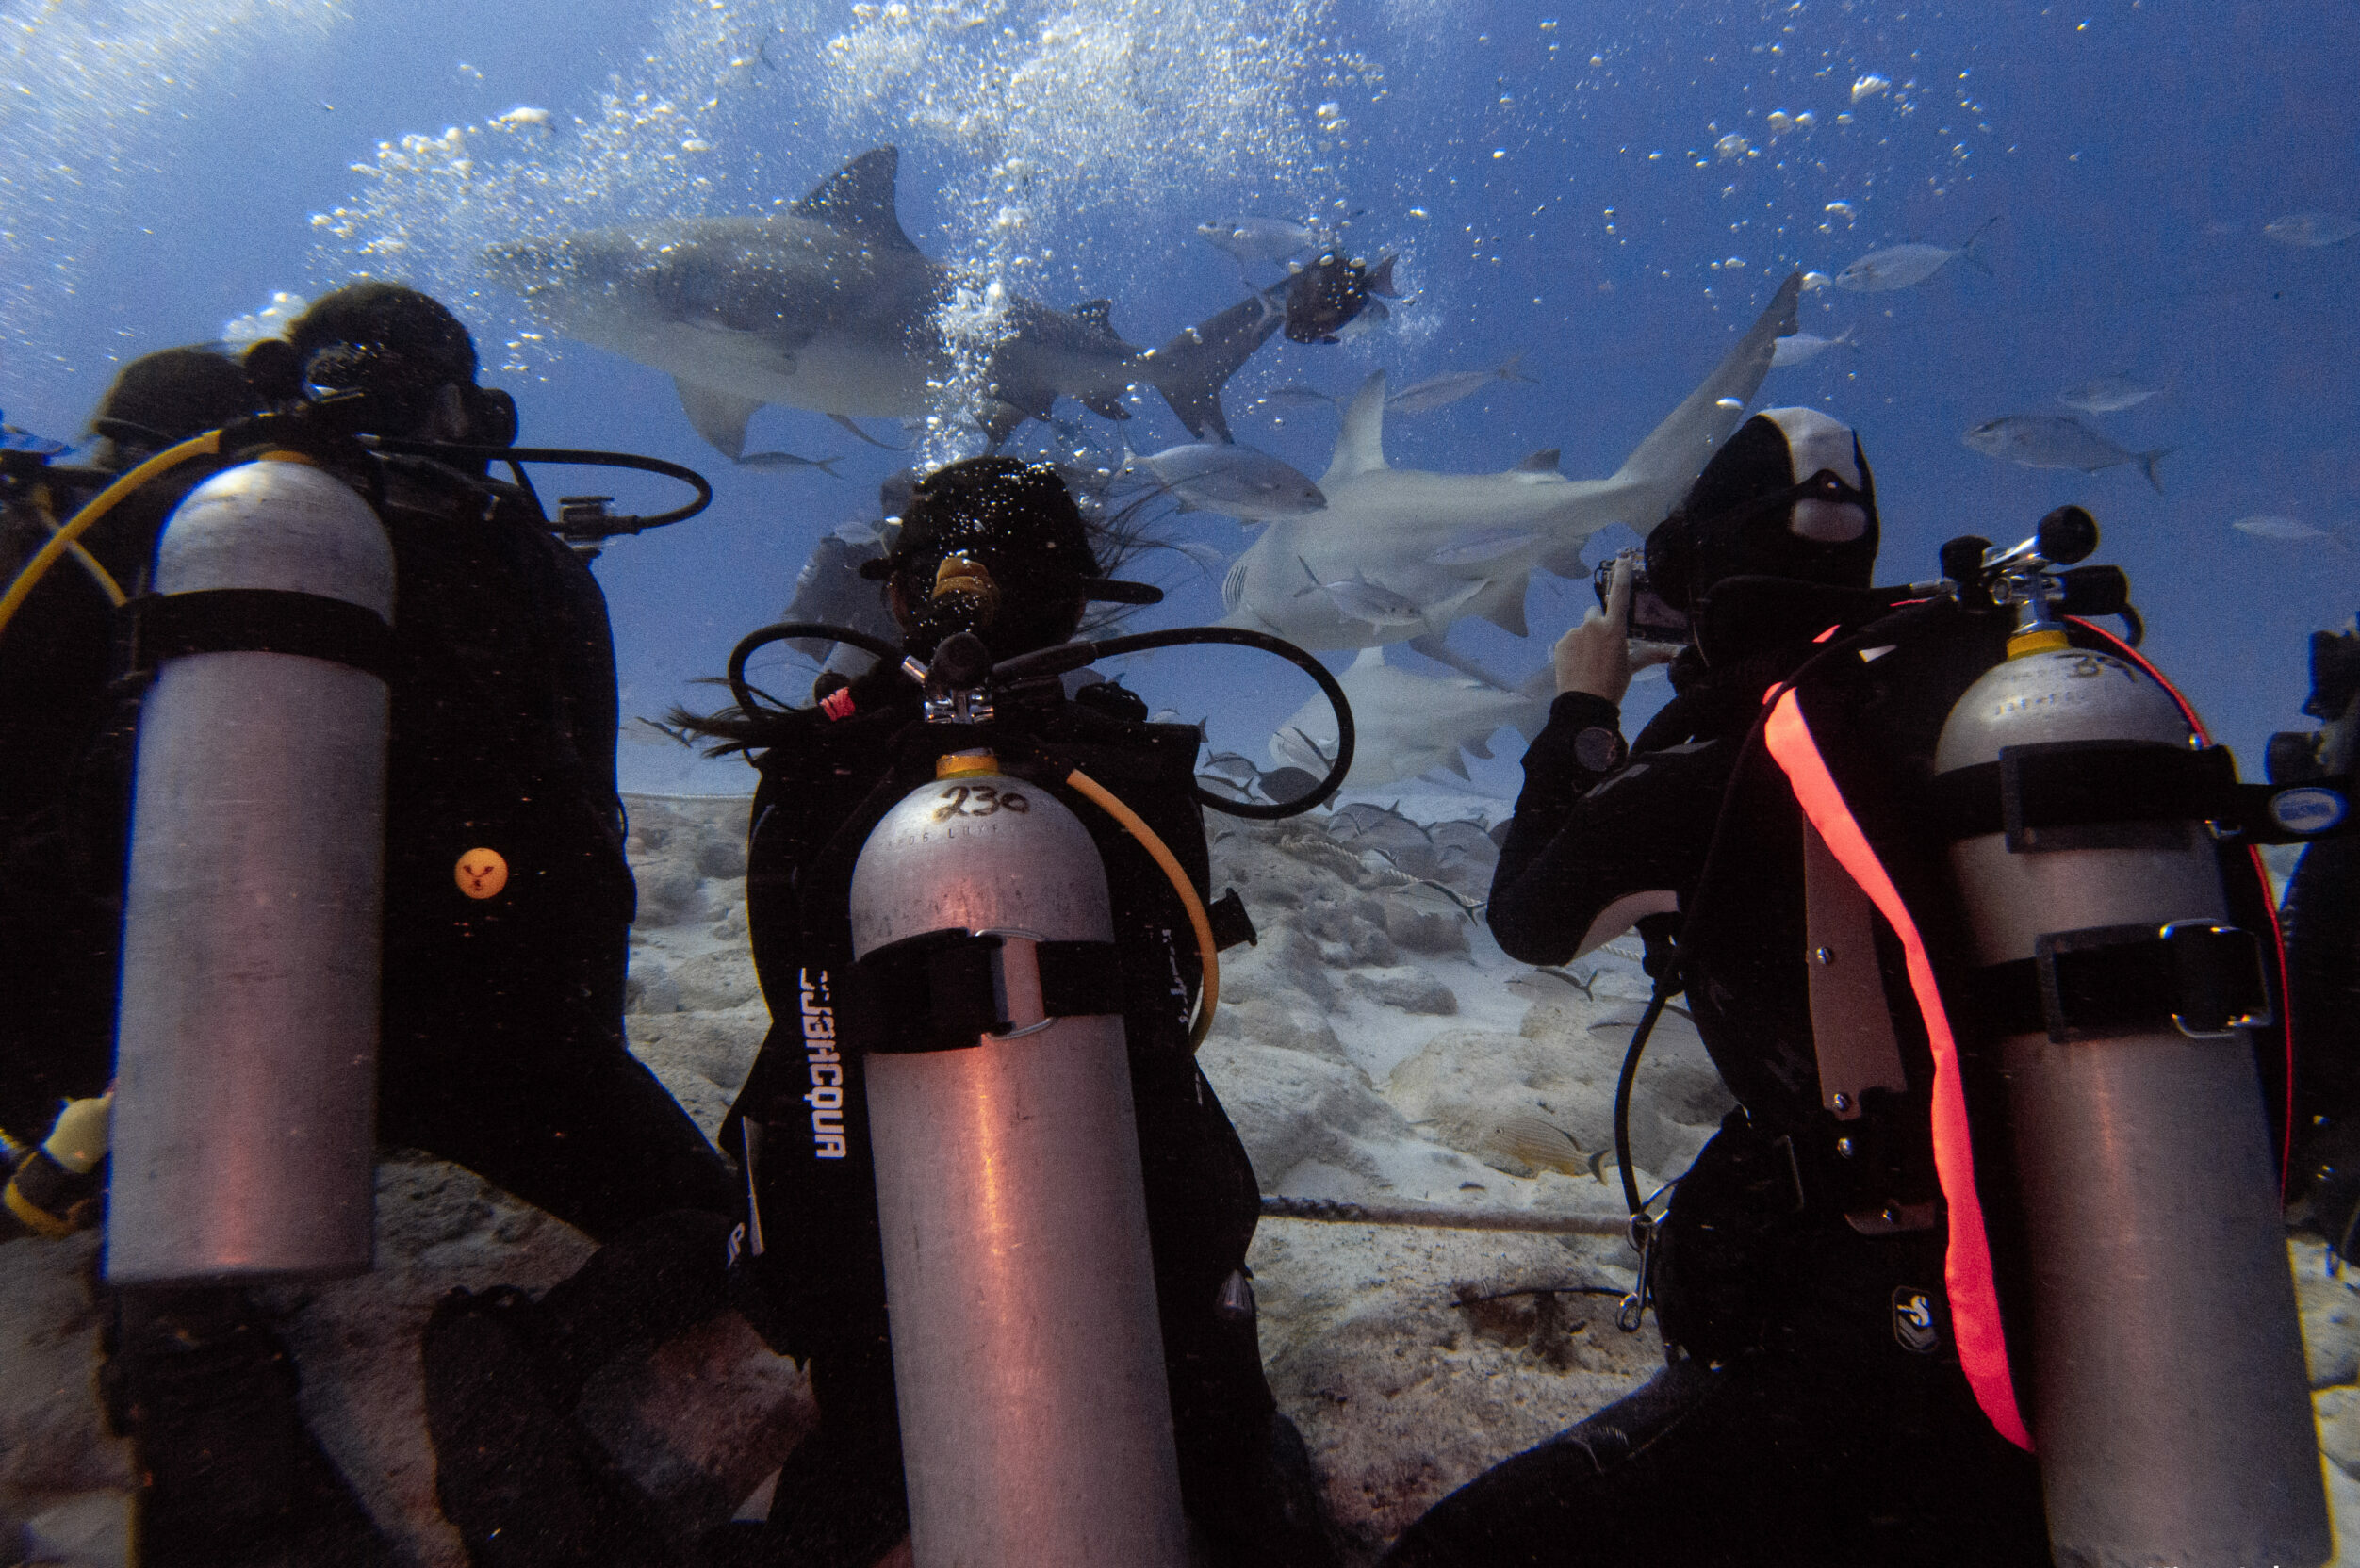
[
  {"x": 1016, "y": 999},
  {"x": 2205, "y": 971}
]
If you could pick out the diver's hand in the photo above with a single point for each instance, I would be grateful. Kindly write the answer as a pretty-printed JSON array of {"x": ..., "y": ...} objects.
[{"x": 1594, "y": 657}]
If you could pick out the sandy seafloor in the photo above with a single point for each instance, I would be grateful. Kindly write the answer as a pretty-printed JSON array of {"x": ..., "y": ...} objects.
[{"x": 1368, "y": 1048}]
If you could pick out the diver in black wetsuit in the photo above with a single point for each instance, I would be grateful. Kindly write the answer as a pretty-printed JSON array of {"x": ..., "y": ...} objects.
[
  {"x": 828, "y": 772},
  {"x": 997, "y": 547},
  {"x": 2322, "y": 922},
  {"x": 501, "y": 1044},
  {"x": 1813, "y": 1409}
]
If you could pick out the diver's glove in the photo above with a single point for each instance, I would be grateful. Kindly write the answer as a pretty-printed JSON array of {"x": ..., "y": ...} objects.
[{"x": 54, "y": 1189}]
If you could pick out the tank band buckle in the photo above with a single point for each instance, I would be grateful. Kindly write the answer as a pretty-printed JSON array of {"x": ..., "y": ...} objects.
[
  {"x": 945, "y": 990},
  {"x": 2204, "y": 979}
]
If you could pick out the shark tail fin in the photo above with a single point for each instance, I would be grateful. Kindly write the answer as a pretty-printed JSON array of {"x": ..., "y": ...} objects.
[
  {"x": 1190, "y": 370},
  {"x": 1967, "y": 251},
  {"x": 1513, "y": 369},
  {"x": 2147, "y": 462},
  {"x": 1381, "y": 279}
]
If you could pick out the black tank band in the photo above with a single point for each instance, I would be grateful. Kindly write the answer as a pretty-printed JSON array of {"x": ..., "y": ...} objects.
[
  {"x": 2203, "y": 979},
  {"x": 2128, "y": 795},
  {"x": 257, "y": 620},
  {"x": 937, "y": 991}
]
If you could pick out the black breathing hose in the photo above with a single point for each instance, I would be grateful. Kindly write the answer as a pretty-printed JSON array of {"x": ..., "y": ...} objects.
[
  {"x": 1073, "y": 656},
  {"x": 604, "y": 528},
  {"x": 1046, "y": 662},
  {"x": 749, "y": 700}
]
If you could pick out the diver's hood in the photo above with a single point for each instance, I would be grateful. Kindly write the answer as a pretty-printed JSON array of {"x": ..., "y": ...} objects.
[{"x": 1789, "y": 495}]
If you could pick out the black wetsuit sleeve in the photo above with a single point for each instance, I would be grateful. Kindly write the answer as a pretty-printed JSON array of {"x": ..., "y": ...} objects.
[{"x": 1585, "y": 838}]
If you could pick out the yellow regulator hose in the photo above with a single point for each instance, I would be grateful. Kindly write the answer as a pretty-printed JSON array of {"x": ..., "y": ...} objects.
[
  {"x": 1210, "y": 995},
  {"x": 101, "y": 504}
]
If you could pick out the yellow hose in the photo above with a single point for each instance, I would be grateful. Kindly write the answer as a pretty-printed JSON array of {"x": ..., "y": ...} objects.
[
  {"x": 103, "y": 502},
  {"x": 1209, "y": 996},
  {"x": 89, "y": 563}
]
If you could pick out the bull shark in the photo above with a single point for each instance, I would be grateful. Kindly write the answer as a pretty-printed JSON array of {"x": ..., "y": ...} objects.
[
  {"x": 1408, "y": 723},
  {"x": 828, "y": 306},
  {"x": 1415, "y": 534}
]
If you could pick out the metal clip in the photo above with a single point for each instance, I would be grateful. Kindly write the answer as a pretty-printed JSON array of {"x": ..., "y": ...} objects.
[
  {"x": 1643, "y": 1229},
  {"x": 1634, "y": 1306}
]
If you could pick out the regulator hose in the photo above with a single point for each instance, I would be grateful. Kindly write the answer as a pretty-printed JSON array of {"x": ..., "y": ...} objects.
[
  {"x": 101, "y": 504},
  {"x": 607, "y": 528},
  {"x": 1073, "y": 656},
  {"x": 751, "y": 701},
  {"x": 1207, "y": 951},
  {"x": 1044, "y": 663}
]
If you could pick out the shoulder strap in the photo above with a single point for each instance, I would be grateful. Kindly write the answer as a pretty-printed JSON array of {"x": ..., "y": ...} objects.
[
  {"x": 1850, "y": 1023},
  {"x": 1967, "y": 1257}
]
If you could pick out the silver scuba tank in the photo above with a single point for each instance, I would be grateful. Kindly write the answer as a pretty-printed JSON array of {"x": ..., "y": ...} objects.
[
  {"x": 1036, "y": 1422},
  {"x": 246, "y": 1036},
  {"x": 2166, "y": 1392}
]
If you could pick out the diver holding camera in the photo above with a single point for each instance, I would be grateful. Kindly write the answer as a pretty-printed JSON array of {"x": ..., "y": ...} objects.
[{"x": 1943, "y": 897}]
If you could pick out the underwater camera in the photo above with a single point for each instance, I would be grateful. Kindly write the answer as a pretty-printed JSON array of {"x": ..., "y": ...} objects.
[{"x": 1650, "y": 618}]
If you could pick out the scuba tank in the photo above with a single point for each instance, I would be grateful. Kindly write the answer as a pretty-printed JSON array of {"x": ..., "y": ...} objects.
[
  {"x": 1036, "y": 1422},
  {"x": 244, "y": 1135},
  {"x": 986, "y": 998},
  {"x": 248, "y": 1008},
  {"x": 2168, "y": 1398}
]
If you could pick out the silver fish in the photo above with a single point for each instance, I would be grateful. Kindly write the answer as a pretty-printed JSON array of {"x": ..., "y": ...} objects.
[
  {"x": 1902, "y": 265},
  {"x": 2312, "y": 228},
  {"x": 2108, "y": 394},
  {"x": 1436, "y": 391},
  {"x": 1238, "y": 481},
  {"x": 2291, "y": 529},
  {"x": 1380, "y": 606},
  {"x": 1542, "y": 1145},
  {"x": 1801, "y": 348},
  {"x": 780, "y": 462},
  {"x": 1260, "y": 239},
  {"x": 2054, "y": 441}
]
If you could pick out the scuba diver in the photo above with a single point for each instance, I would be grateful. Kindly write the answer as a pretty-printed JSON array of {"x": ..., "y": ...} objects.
[
  {"x": 995, "y": 550},
  {"x": 1331, "y": 292},
  {"x": 1838, "y": 1386},
  {"x": 65, "y": 759},
  {"x": 497, "y": 1011},
  {"x": 2322, "y": 917},
  {"x": 992, "y": 561}
]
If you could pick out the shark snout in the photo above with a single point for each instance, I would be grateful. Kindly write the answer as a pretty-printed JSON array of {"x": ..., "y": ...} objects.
[{"x": 525, "y": 264}]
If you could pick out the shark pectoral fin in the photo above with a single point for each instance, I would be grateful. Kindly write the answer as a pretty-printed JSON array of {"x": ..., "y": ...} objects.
[
  {"x": 1505, "y": 608},
  {"x": 845, "y": 420},
  {"x": 719, "y": 416},
  {"x": 858, "y": 199},
  {"x": 1360, "y": 445},
  {"x": 1190, "y": 370},
  {"x": 1106, "y": 408},
  {"x": 1431, "y": 644}
]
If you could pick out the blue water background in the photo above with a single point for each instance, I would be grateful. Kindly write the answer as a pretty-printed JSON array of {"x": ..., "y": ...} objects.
[{"x": 2132, "y": 150}]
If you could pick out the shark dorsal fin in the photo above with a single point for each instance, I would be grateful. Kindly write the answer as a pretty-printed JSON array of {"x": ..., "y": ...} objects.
[
  {"x": 858, "y": 199},
  {"x": 1097, "y": 315},
  {"x": 1542, "y": 462},
  {"x": 1360, "y": 446}
]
